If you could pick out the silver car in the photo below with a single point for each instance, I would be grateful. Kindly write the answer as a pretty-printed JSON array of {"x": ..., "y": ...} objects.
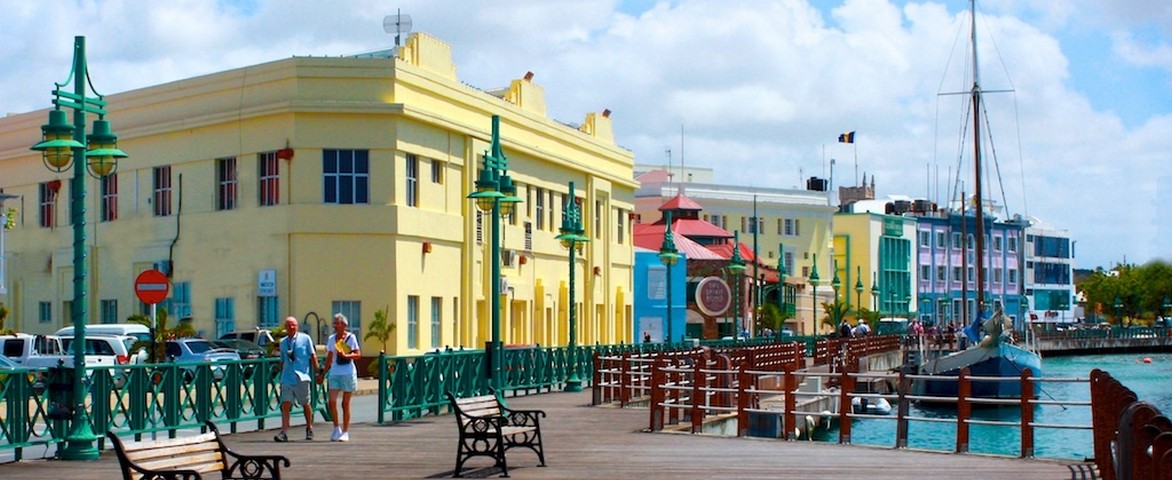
[{"x": 190, "y": 351}]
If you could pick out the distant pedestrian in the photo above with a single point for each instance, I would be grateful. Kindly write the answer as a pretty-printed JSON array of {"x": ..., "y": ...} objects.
[
  {"x": 646, "y": 337},
  {"x": 844, "y": 329},
  {"x": 862, "y": 329},
  {"x": 341, "y": 350},
  {"x": 298, "y": 358}
]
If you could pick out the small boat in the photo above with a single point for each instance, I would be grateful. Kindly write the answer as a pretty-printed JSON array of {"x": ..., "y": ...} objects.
[{"x": 870, "y": 406}]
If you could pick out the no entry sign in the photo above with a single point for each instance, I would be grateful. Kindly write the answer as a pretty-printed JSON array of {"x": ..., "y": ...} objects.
[{"x": 151, "y": 286}]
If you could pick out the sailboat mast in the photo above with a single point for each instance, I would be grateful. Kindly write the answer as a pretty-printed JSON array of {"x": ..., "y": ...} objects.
[{"x": 980, "y": 204}]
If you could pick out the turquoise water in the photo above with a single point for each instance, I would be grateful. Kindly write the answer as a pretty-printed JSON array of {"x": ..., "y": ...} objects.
[{"x": 1149, "y": 381}]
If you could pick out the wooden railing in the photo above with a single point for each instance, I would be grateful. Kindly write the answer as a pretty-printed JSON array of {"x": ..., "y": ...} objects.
[
  {"x": 705, "y": 392},
  {"x": 1132, "y": 438}
]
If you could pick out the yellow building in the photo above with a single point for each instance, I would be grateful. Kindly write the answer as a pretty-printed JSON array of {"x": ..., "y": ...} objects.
[
  {"x": 309, "y": 186},
  {"x": 875, "y": 256}
]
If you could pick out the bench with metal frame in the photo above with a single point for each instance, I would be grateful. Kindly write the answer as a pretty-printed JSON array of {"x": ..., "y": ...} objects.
[
  {"x": 489, "y": 428},
  {"x": 191, "y": 458}
]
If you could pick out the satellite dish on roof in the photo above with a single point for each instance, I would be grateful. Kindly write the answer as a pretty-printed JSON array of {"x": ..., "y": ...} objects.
[{"x": 397, "y": 24}]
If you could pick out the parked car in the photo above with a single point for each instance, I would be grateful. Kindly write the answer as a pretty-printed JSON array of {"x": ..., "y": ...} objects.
[
  {"x": 258, "y": 336},
  {"x": 191, "y": 351},
  {"x": 34, "y": 350},
  {"x": 109, "y": 350},
  {"x": 247, "y": 349}
]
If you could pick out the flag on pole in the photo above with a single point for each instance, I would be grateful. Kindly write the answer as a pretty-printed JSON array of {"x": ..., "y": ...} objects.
[{"x": 848, "y": 137}]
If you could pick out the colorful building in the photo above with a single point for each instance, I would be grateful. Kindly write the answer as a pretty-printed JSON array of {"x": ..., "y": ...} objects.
[{"x": 312, "y": 185}]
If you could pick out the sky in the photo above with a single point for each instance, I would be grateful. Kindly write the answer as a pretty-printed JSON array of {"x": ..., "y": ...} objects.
[{"x": 1078, "y": 94}]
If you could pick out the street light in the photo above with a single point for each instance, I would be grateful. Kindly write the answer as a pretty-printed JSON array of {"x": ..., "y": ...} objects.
[
  {"x": 736, "y": 266},
  {"x": 1167, "y": 310},
  {"x": 814, "y": 288},
  {"x": 64, "y": 145},
  {"x": 835, "y": 284},
  {"x": 571, "y": 237},
  {"x": 495, "y": 193},
  {"x": 668, "y": 255},
  {"x": 781, "y": 278},
  {"x": 859, "y": 290},
  {"x": 875, "y": 293}
]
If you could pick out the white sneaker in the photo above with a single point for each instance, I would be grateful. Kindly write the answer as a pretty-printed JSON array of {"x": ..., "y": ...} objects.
[
  {"x": 336, "y": 435},
  {"x": 345, "y": 437}
]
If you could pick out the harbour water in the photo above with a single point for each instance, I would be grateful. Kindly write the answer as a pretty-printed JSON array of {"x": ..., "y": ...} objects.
[{"x": 1148, "y": 380}]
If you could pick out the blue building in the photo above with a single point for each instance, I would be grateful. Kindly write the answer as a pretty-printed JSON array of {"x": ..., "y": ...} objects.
[{"x": 651, "y": 297}]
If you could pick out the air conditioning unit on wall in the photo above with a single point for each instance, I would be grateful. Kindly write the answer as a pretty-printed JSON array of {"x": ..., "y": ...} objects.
[{"x": 509, "y": 258}]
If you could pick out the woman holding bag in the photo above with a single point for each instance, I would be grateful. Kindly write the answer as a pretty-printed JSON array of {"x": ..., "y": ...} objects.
[{"x": 341, "y": 350}]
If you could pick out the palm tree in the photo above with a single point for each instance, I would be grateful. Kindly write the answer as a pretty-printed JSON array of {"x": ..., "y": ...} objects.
[
  {"x": 162, "y": 333},
  {"x": 381, "y": 329},
  {"x": 835, "y": 312}
]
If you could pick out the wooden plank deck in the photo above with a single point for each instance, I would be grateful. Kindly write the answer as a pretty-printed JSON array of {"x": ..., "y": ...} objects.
[{"x": 580, "y": 442}]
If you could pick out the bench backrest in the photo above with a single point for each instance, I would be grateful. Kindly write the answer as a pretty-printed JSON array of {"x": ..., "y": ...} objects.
[
  {"x": 482, "y": 406},
  {"x": 199, "y": 452}
]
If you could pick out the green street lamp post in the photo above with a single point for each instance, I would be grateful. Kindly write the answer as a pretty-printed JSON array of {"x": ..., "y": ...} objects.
[
  {"x": 669, "y": 255},
  {"x": 835, "y": 284},
  {"x": 859, "y": 290},
  {"x": 64, "y": 145},
  {"x": 814, "y": 289},
  {"x": 875, "y": 293},
  {"x": 781, "y": 278},
  {"x": 736, "y": 266},
  {"x": 571, "y": 237},
  {"x": 495, "y": 193}
]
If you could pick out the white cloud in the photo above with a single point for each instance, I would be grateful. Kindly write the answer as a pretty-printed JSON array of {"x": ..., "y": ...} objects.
[{"x": 761, "y": 88}]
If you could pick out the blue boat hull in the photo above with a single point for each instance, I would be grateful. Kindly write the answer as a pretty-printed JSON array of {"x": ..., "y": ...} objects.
[{"x": 1003, "y": 360}]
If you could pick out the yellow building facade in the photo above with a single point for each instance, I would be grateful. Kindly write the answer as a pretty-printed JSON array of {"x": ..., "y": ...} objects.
[{"x": 309, "y": 186}]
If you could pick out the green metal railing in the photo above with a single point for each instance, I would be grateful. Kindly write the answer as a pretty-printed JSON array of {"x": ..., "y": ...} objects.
[{"x": 156, "y": 399}]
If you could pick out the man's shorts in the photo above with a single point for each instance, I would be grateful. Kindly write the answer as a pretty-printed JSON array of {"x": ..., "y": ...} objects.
[
  {"x": 297, "y": 393},
  {"x": 345, "y": 383}
]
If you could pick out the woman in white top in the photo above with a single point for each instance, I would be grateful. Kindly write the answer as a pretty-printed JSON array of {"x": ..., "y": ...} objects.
[{"x": 341, "y": 351}]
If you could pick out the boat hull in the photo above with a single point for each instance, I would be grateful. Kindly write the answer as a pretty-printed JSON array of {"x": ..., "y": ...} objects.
[{"x": 1003, "y": 360}]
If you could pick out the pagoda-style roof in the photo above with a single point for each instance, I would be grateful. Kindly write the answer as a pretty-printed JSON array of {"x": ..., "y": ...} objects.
[{"x": 680, "y": 203}]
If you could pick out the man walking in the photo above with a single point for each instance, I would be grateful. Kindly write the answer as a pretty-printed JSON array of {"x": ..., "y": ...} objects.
[{"x": 298, "y": 358}]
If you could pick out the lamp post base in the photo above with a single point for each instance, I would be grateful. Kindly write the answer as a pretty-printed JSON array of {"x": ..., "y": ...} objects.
[
  {"x": 573, "y": 384},
  {"x": 79, "y": 444}
]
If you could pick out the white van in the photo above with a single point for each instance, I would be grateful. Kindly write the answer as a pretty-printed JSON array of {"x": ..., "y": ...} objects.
[{"x": 139, "y": 332}]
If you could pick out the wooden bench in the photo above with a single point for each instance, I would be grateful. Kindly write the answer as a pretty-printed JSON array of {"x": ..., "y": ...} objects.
[
  {"x": 190, "y": 458},
  {"x": 488, "y": 428}
]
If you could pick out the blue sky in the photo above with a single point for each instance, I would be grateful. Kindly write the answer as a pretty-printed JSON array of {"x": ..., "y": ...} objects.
[{"x": 760, "y": 88}]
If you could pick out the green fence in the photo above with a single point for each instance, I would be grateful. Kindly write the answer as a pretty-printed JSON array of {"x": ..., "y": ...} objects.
[{"x": 161, "y": 399}]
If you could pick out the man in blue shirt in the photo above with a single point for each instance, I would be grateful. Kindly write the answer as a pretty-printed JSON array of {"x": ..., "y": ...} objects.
[{"x": 298, "y": 358}]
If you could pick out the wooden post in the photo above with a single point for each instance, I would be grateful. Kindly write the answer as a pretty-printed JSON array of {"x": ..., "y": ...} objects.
[
  {"x": 903, "y": 404},
  {"x": 846, "y": 385},
  {"x": 658, "y": 381},
  {"x": 963, "y": 410},
  {"x": 744, "y": 383},
  {"x": 625, "y": 379},
  {"x": 1027, "y": 414},
  {"x": 791, "y": 387},
  {"x": 699, "y": 396},
  {"x": 596, "y": 388}
]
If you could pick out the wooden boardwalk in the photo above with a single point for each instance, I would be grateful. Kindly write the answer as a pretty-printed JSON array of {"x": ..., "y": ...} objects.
[{"x": 581, "y": 442}]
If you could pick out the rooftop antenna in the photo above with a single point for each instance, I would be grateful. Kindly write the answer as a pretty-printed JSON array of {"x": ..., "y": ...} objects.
[{"x": 397, "y": 23}]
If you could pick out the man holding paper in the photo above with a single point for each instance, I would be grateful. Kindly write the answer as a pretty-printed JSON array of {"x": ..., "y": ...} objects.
[{"x": 341, "y": 350}]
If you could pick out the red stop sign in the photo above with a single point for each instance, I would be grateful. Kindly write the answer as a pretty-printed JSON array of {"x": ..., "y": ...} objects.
[{"x": 151, "y": 286}]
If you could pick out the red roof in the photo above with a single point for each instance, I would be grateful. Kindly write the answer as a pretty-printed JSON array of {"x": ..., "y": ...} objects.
[
  {"x": 691, "y": 227},
  {"x": 650, "y": 236},
  {"x": 680, "y": 202}
]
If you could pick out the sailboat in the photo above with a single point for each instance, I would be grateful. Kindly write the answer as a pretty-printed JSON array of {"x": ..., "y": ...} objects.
[{"x": 993, "y": 353}]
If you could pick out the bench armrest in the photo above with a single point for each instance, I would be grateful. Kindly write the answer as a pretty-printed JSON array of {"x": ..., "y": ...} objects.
[
  {"x": 522, "y": 418},
  {"x": 254, "y": 466}
]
